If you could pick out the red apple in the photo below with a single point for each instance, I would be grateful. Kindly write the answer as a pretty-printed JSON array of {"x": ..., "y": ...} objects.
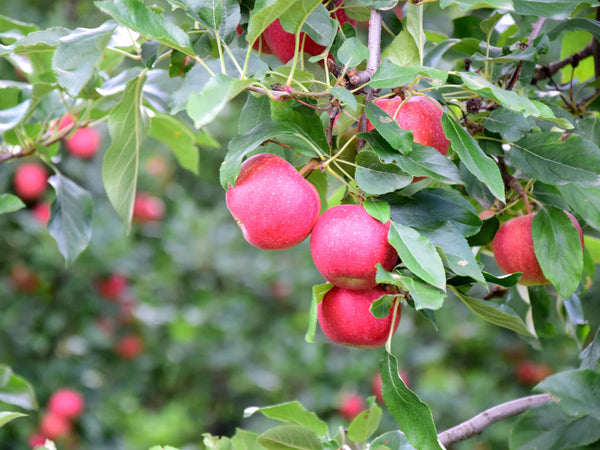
[
  {"x": 275, "y": 207},
  {"x": 513, "y": 249},
  {"x": 530, "y": 373},
  {"x": 376, "y": 383},
  {"x": 351, "y": 405},
  {"x": 147, "y": 208},
  {"x": 55, "y": 426},
  {"x": 347, "y": 243},
  {"x": 282, "y": 44},
  {"x": 65, "y": 121},
  {"x": 113, "y": 287},
  {"x": 30, "y": 181},
  {"x": 419, "y": 114},
  {"x": 67, "y": 403},
  {"x": 83, "y": 143},
  {"x": 345, "y": 318},
  {"x": 130, "y": 346},
  {"x": 41, "y": 211}
]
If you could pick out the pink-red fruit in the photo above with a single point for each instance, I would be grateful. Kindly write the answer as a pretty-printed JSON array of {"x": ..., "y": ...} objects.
[
  {"x": 275, "y": 207},
  {"x": 347, "y": 243},
  {"x": 147, "y": 208},
  {"x": 30, "y": 181},
  {"x": 419, "y": 114},
  {"x": 513, "y": 249},
  {"x": 377, "y": 382},
  {"x": 351, "y": 405},
  {"x": 54, "y": 426},
  {"x": 82, "y": 143},
  {"x": 130, "y": 346},
  {"x": 345, "y": 318},
  {"x": 67, "y": 403}
]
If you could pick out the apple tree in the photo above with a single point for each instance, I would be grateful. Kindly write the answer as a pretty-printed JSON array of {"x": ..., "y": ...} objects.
[{"x": 442, "y": 154}]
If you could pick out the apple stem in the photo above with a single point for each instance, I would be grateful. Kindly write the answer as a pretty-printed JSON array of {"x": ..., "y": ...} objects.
[
  {"x": 309, "y": 166},
  {"x": 490, "y": 416},
  {"x": 513, "y": 183}
]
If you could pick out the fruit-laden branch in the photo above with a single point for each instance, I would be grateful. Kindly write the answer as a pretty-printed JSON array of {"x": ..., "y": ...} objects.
[
  {"x": 490, "y": 416},
  {"x": 547, "y": 70}
]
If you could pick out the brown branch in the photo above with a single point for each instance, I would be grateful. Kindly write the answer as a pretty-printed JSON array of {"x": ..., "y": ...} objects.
[
  {"x": 490, "y": 416},
  {"x": 512, "y": 183},
  {"x": 547, "y": 70},
  {"x": 535, "y": 31},
  {"x": 596, "y": 52}
]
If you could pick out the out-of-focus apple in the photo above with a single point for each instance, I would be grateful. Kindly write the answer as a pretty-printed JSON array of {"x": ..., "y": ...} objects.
[
  {"x": 68, "y": 403},
  {"x": 55, "y": 426},
  {"x": 41, "y": 212},
  {"x": 351, "y": 405},
  {"x": 23, "y": 279},
  {"x": 147, "y": 208},
  {"x": 30, "y": 181},
  {"x": 376, "y": 383},
  {"x": 112, "y": 287},
  {"x": 130, "y": 346},
  {"x": 530, "y": 373}
]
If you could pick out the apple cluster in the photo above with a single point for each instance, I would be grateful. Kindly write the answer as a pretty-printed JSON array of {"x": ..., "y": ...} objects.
[
  {"x": 64, "y": 407},
  {"x": 277, "y": 208}
]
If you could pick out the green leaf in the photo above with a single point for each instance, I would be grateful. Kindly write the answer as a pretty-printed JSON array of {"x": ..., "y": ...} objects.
[
  {"x": 319, "y": 25},
  {"x": 14, "y": 390},
  {"x": 393, "y": 440},
  {"x": 245, "y": 440},
  {"x": 136, "y": 15},
  {"x": 318, "y": 292},
  {"x": 264, "y": 13},
  {"x": 504, "y": 281},
  {"x": 423, "y": 295},
  {"x": 289, "y": 437},
  {"x": 242, "y": 144},
  {"x": 8, "y": 416},
  {"x": 398, "y": 138},
  {"x": 412, "y": 415},
  {"x": 575, "y": 24},
  {"x": 414, "y": 26},
  {"x": 553, "y": 159},
  {"x": 292, "y": 412},
  {"x": 128, "y": 125},
  {"x": 256, "y": 111},
  {"x": 554, "y": 9},
  {"x": 179, "y": 137},
  {"x": 10, "y": 203},
  {"x": 590, "y": 356},
  {"x": 8, "y": 24},
  {"x": 558, "y": 249},
  {"x": 78, "y": 55},
  {"x": 203, "y": 107},
  {"x": 352, "y": 52},
  {"x": 344, "y": 96},
  {"x": 71, "y": 217},
  {"x": 502, "y": 315},
  {"x": 549, "y": 427},
  {"x": 375, "y": 177},
  {"x": 428, "y": 162},
  {"x": 378, "y": 209},
  {"x": 303, "y": 119},
  {"x": 10, "y": 117},
  {"x": 578, "y": 391},
  {"x": 390, "y": 75},
  {"x": 418, "y": 254},
  {"x": 403, "y": 50},
  {"x": 455, "y": 250},
  {"x": 216, "y": 442},
  {"x": 466, "y": 5},
  {"x": 39, "y": 41},
  {"x": 474, "y": 159},
  {"x": 510, "y": 124},
  {"x": 220, "y": 17},
  {"x": 365, "y": 424}
]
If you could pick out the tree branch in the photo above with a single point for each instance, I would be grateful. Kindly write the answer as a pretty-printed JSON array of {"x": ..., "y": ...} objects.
[
  {"x": 535, "y": 31},
  {"x": 547, "y": 70},
  {"x": 513, "y": 183},
  {"x": 490, "y": 416}
]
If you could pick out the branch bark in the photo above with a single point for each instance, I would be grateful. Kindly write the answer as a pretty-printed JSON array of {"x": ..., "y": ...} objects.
[
  {"x": 490, "y": 416},
  {"x": 547, "y": 70}
]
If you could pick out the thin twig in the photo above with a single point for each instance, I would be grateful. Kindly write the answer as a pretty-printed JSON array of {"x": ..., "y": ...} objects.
[
  {"x": 374, "y": 43},
  {"x": 490, "y": 416},
  {"x": 547, "y": 70},
  {"x": 513, "y": 183},
  {"x": 535, "y": 31}
]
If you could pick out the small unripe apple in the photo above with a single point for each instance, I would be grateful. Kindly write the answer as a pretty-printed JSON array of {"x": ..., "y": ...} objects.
[
  {"x": 421, "y": 115},
  {"x": 55, "y": 426},
  {"x": 347, "y": 243},
  {"x": 30, "y": 181},
  {"x": 275, "y": 207},
  {"x": 514, "y": 252},
  {"x": 67, "y": 403},
  {"x": 351, "y": 405},
  {"x": 147, "y": 208},
  {"x": 345, "y": 318},
  {"x": 130, "y": 346},
  {"x": 83, "y": 143}
]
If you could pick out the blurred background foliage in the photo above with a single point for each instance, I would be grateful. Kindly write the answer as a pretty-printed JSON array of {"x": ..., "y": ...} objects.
[{"x": 221, "y": 323}]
